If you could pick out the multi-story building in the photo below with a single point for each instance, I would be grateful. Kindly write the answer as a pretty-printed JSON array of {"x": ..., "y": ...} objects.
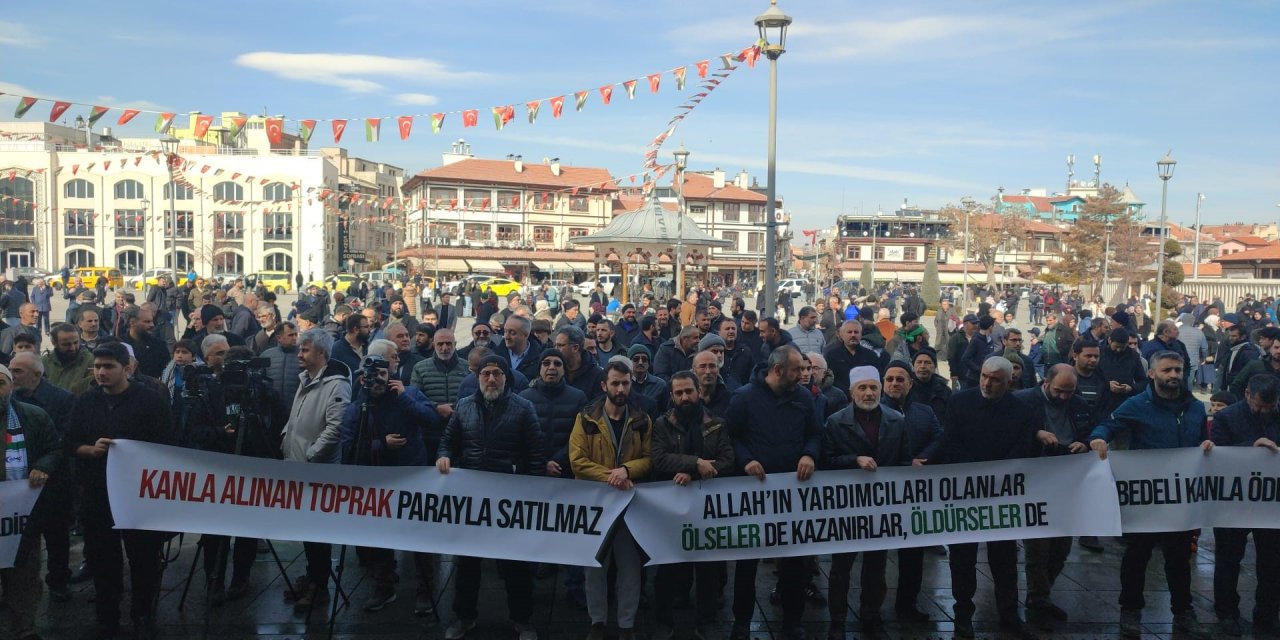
[
  {"x": 491, "y": 216},
  {"x": 898, "y": 243},
  {"x": 1266, "y": 231},
  {"x": 239, "y": 202},
  {"x": 370, "y": 228}
]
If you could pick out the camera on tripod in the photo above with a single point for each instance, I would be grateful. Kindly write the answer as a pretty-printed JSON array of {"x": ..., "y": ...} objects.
[
  {"x": 241, "y": 378},
  {"x": 372, "y": 369}
]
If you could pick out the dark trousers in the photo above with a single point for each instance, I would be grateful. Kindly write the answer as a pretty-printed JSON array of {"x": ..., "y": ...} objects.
[
  {"x": 216, "y": 550},
  {"x": 102, "y": 550},
  {"x": 873, "y": 584},
  {"x": 319, "y": 558},
  {"x": 1229, "y": 547},
  {"x": 675, "y": 578},
  {"x": 382, "y": 563},
  {"x": 425, "y": 564},
  {"x": 910, "y": 577},
  {"x": 517, "y": 575},
  {"x": 54, "y": 526},
  {"x": 1045, "y": 559},
  {"x": 1002, "y": 558},
  {"x": 1176, "y": 546},
  {"x": 792, "y": 576}
]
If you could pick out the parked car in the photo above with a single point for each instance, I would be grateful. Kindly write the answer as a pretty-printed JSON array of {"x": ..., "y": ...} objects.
[
  {"x": 337, "y": 281},
  {"x": 501, "y": 286},
  {"x": 90, "y": 276},
  {"x": 30, "y": 273},
  {"x": 151, "y": 278},
  {"x": 276, "y": 282},
  {"x": 609, "y": 280},
  {"x": 794, "y": 286},
  {"x": 453, "y": 286}
]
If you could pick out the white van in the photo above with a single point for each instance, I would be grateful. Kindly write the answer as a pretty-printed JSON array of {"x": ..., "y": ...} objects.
[{"x": 609, "y": 280}]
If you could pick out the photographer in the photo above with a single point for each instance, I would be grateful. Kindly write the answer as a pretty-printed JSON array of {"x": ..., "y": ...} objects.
[{"x": 391, "y": 436}]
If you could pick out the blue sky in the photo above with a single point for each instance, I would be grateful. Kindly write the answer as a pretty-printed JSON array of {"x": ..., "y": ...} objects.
[{"x": 927, "y": 101}]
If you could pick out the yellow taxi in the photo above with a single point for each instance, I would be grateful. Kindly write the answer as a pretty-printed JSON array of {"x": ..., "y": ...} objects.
[
  {"x": 90, "y": 276},
  {"x": 277, "y": 282},
  {"x": 151, "y": 278},
  {"x": 337, "y": 281},
  {"x": 500, "y": 286}
]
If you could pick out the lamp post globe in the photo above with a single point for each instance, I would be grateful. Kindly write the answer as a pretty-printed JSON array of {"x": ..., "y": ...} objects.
[{"x": 1164, "y": 168}]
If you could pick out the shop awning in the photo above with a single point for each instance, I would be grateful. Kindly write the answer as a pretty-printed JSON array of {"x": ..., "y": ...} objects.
[
  {"x": 480, "y": 265},
  {"x": 457, "y": 265},
  {"x": 552, "y": 266},
  {"x": 584, "y": 267}
]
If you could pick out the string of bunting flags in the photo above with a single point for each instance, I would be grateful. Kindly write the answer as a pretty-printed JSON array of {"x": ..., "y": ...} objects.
[{"x": 502, "y": 114}]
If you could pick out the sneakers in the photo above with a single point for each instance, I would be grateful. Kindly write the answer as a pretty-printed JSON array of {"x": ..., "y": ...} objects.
[
  {"x": 215, "y": 594},
  {"x": 238, "y": 589},
  {"x": 1230, "y": 627},
  {"x": 1047, "y": 611},
  {"x": 524, "y": 631},
  {"x": 1130, "y": 623},
  {"x": 1187, "y": 623},
  {"x": 964, "y": 628},
  {"x": 911, "y": 614},
  {"x": 310, "y": 598},
  {"x": 301, "y": 585},
  {"x": 814, "y": 595},
  {"x": 1092, "y": 543},
  {"x": 424, "y": 604},
  {"x": 379, "y": 600},
  {"x": 459, "y": 629},
  {"x": 596, "y": 633},
  {"x": 739, "y": 632}
]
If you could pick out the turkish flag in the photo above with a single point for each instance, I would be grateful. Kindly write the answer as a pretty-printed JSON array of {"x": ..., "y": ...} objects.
[
  {"x": 339, "y": 126},
  {"x": 275, "y": 130},
  {"x": 202, "y": 125},
  {"x": 557, "y": 106},
  {"x": 125, "y": 117},
  {"x": 58, "y": 109},
  {"x": 406, "y": 125},
  {"x": 470, "y": 117}
]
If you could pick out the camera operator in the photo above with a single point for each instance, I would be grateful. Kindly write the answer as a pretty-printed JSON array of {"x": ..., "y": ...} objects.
[
  {"x": 392, "y": 437},
  {"x": 232, "y": 408}
]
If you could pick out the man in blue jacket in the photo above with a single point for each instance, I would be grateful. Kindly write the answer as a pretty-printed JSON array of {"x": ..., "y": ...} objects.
[
  {"x": 775, "y": 429},
  {"x": 1164, "y": 416},
  {"x": 1253, "y": 422}
]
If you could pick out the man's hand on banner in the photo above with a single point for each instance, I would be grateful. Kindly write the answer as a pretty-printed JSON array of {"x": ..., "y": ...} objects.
[
  {"x": 707, "y": 469},
  {"x": 804, "y": 470},
  {"x": 919, "y": 462},
  {"x": 1266, "y": 443},
  {"x": 683, "y": 478},
  {"x": 95, "y": 450},
  {"x": 553, "y": 468},
  {"x": 1100, "y": 446},
  {"x": 37, "y": 478},
  {"x": 395, "y": 441},
  {"x": 620, "y": 478},
  {"x": 755, "y": 470},
  {"x": 1077, "y": 447},
  {"x": 1047, "y": 438},
  {"x": 1206, "y": 446},
  {"x": 442, "y": 464},
  {"x": 866, "y": 463}
]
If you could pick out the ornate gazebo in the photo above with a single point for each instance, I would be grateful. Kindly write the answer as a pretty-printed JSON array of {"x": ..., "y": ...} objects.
[{"x": 650, "y": 237}]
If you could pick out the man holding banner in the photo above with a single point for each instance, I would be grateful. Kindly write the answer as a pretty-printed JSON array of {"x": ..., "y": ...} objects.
[
  {"x": 1164, "y": 416},
  {"x": 1254, "y": 422},
  {"x": 864, "y": 435},
  {"x": 775, "y": 429}
]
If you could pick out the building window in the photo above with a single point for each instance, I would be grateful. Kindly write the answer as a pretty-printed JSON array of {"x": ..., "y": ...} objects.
[
  {"x": 17, "y": 217},
  {"x": 443, "y": 230},
  {"x": 185, "y": 261},
  {"x": 579, "y": 203},
  {"x": 278, "y": 262},
  {"x": 277, "y": 191},
  {"x": 853, "y": 252},
  {"x": 185, "y": 219},
  {"x": 229, "y": 225},
  {"x": 755, "y": 242},
  {"x": 544, "y": 235},
  {"x": 228, "y": 262},
  {"x": 508, "y": 232},
  {"x": 476, "y": 231},
  {"x": 911, "y": 254},
  {"x": 130, "y": 190},
  {"x": 180, "y": 191},
  {"x": 443, "y": 198},
  {"x": 578, "y": 232},
  {"x": 755, "y": 213},
  {"x": 130, "y": 263},
  {"x": 697, "y": 209},
  {"x": 278, "y": 226},
  {"x": 509, "y": 200},
  {"x": 77, "y": 189},
  {"x": 731, "y": 236},
  {"x": 477, "y": 198},
  {"x": 879, "y": 252},
  {"x": 129, "y": 223},
  {"x": 79, "y": 222},
  {"x": 544, "y": 200},
  {"x": 79, "y": 258},
  {"x": 228, "y": 191},
  {"x": 731, "y": 211}
]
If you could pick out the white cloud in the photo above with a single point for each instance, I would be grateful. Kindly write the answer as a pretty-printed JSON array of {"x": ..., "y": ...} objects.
[
  {"x": 415, "y": 99},
  {"x": 10, "y": 89},
  {"x": 15, "y": 34},
  {"x": 350, "y": 71}
]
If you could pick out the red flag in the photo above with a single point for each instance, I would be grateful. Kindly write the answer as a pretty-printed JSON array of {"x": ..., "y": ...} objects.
[
  {"x": 339, "y": 126},
  {"x": 557, "y": 106},
  {"x": 606, "y": 92},
  {"x": 106, "y": 165},
  {"x": 275, "y": 130},
  {"x": 654, "y": 79},
  {"x": 470, "y": 117},
  {"x": 58, "y": 109},
  {"x": 125, "y": 117},
  {"x": 203, "y": 122},
  {"x": 406, "y": 125},
  {"x": 702, "y": 68}
]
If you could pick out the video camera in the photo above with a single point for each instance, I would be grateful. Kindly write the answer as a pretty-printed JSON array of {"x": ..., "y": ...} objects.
[{"x": 371, "y": 369}]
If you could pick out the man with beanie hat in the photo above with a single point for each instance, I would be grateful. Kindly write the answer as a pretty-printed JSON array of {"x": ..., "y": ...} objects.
[
  {"x": 642, "y": 381},
  {"x": 957, "y": 344},
  {"x": 1122, "y": 370},
  {"x": 214, "y": 321},
  {"x": 497, "y": 431},
  {"x": 399, "y": 313},
  {"x": 929, "y": 388},
  {"x": 981, "y": 346}
]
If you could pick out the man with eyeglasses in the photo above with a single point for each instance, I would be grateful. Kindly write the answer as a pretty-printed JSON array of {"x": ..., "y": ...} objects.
[
  {"x": 265, "y": 338},
  {"x": 517, "y": 348},
  {"x": 644, "y": 383},
  {"x": 581, "y": 371},
  {"x": 481, "y": 336}
]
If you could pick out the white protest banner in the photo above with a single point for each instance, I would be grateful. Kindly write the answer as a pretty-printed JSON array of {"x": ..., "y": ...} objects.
[
  {"x": 493, "y": 515},
  {"x": 16, "y": 501},
  {"x": 1184, "y": 489},
  {"x": 893, "y": 507}
]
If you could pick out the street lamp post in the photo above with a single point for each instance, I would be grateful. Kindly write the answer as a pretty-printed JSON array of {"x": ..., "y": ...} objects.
[
  {"x": 170, "y": 145},
  {"x": 1106, "y": 260},
  {"x": 875, "y": 224},
  {"x": 682, "y": 163},
  {"x": 1195, "y": 257},
  {"x": 1164, "y": 168},
  {"x": 967, "y": 202},
  {"x": 773, "y": 25}
]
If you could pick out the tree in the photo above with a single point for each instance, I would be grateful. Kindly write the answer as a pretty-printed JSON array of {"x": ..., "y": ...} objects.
[
  {"x": 991, "y": 234},
  {"x": 1173, "y": 274},
  {"x": 865, "y": 278},
  {"x": 1083, "y": 257},
  {"x": 930, "y": 287}
]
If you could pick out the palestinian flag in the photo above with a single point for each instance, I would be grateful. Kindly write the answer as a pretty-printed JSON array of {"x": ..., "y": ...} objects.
[
  {"x": 24, "y": 105},
  {"x": 163, "y": 122},
  {"x": 305, "y": 129},
  {"x": 437, "y": 121},
  {"x": 236, "y": 126},
  {"x": 372, "y": 127},
  {"x": 96, "y": 114}
]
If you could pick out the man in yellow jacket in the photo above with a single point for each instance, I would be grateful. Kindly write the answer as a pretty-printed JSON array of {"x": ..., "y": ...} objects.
[{"x": 610, "y": 443}]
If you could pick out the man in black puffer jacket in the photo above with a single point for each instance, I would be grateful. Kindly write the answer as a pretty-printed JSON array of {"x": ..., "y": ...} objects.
[
  {"x": 557, "y": 405},
  {"x": 493, "y": 430}
]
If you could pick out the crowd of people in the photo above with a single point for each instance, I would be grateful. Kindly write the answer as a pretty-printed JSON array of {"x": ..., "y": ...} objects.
[{"x": 690, "y": 389}]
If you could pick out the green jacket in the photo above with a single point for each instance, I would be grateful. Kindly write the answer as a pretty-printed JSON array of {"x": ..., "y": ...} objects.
[
  {"x": 44, "y": 444},
  {"x": 74, "y": 376}
]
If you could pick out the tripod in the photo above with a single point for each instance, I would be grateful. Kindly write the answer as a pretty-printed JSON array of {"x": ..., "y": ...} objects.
[{"x": 361, "y": 454}]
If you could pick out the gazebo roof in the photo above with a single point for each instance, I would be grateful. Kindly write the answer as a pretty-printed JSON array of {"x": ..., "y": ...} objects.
[{"x": 652, "y": 225}]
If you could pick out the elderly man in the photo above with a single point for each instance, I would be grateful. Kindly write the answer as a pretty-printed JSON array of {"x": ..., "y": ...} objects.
[
  {"x": 677, "y": 353},
  {"x": 850, "y": 353},
  {"x": 712, "y": 391},
  {"x": 521, "y": 352},
  {"x": 1164, "y": 416},
  {"x": 28, "y": 317},
  {"x": 988, "y": 423},
  {"x": 864, "y": 435},
  {"x": 642, "y": 381},
  {"x": 834, "y": 398},
  {"x": 928, "y": 387},
  {"x": 312, "y": 436}
]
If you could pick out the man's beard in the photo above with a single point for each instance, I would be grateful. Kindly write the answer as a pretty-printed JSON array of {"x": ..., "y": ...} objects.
[
  {"x": 491, "y": 395},
  {"x": 689, "y": 412},
  {"x": 866, "y": 405},
  {"x": 619, "y": 399}
]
